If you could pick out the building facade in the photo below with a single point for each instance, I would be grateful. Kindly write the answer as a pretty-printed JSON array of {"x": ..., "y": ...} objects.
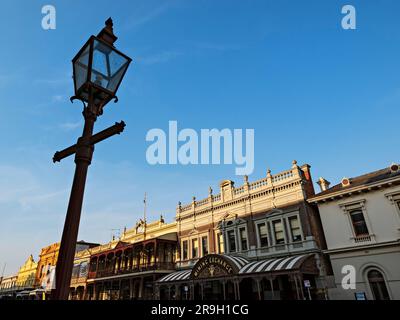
[
  {"x": 45, "y": 274},
  {"x": 8, "y": 286},
  {"x": 79, "y": 275},
  {"x": 270, "y": 239},
  {"x": 361, "y": 220},
  {"x": 127, "y": 268},
  {"x": 47, "y": 260},
  {"x": 26, "y": 275},
  {"x": 261, "y": 240}
]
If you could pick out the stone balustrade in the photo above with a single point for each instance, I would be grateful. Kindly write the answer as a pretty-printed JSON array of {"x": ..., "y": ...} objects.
[{"x": 228, "y": 192}]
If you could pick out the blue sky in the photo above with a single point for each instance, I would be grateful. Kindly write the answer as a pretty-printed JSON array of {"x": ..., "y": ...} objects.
[{"x": 311, "y": 91}]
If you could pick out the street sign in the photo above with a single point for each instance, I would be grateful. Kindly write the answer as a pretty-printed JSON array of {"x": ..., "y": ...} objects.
[
  {"x": 307, "y": 284},
  {"x": 360, "y": 296}
]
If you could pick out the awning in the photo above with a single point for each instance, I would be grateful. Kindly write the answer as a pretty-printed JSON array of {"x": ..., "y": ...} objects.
[
  {"x": 240, "y": 262},
  {"x": 271, "y": 265},
  {"x": 236, "y": 266},
  {"x": 236, "y": 262},
  {"x": 176, "y": 276}
]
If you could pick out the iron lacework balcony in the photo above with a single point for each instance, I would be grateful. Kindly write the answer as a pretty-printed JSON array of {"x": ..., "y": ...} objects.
[
  {"x": 152, "y": 266},
  {"x": 127, "y": 258}
]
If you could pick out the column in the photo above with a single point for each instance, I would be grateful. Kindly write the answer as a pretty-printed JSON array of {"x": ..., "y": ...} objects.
[
  {"x": 155, "y": 253},
  {"x": 141, "y": 288},
  {"x": 120, "y": 289},
  {"x": 294, "y": 279},
  {"x": 94, "y": 292},
  {"x": 191, "y": 291},
  {"x": 131, "y": 288},
  {"x": 258, "y": 288},
  {"x": 84, "y": 293},
  {"x": 300, "y": 278},
  {"x": 177, "y": 292},
  {"x": 271, "y": 283}
]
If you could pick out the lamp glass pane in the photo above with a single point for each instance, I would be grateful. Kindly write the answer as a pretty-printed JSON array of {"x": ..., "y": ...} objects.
[
  {"x": 108, "y": 66},
  {"x": 81, "y": 67},
  {"x": 116, "y": 79}
]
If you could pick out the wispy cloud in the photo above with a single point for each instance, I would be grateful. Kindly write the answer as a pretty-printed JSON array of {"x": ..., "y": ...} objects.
[
  {"x": 217, "y": 46},
  {"x": 7, "y": 79},
  {"x": 23, "y": 188},
  {"x": 56, "y": 80},
  {"x": 138, "y": 20},
  {"x": 68, "y": 126},
  {"x": 57, "y": 98},
  {"x": 161, "y": 57},
  {"x": 14, "y": 183},
  {"x": 40, "y": 199}
]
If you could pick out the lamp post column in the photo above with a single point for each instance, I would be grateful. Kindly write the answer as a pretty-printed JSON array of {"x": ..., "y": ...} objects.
[{"x": 83, "y": 158}]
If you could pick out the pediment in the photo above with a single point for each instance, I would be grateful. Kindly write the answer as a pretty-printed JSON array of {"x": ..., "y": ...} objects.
[
  {"x": 230, "y": 216},
  {"x": 193, "y": 231},
  {"x": 121, "y": 244},
  {"x": 275, "y": 211},
  {"x": 231, "y": 219}
]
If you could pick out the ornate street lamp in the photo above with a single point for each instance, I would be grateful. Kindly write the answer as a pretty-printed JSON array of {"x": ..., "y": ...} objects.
[
  {"x": 98, "y": 71},
  {"x": 99, "y": 68}
]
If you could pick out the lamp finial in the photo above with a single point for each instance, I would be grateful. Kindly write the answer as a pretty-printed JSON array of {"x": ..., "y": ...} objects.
[{"x": 107, "y": 33}]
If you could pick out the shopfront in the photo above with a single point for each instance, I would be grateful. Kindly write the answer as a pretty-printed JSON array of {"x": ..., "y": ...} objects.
[{"x": 226, "y": 277}]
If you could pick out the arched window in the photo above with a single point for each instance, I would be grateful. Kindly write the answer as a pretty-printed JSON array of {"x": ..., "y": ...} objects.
[{"x": 378, "y": 285}]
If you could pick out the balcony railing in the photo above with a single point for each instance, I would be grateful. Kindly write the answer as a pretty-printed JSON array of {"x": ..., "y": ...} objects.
[
  {"x": 271, "y": 182},
  {"x": 363, "y": 238},
  {"x": 133, "y": 269}
]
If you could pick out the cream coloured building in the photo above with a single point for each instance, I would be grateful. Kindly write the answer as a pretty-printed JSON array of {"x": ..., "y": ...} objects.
[
  {"x": 361, "y": 221},
  {"x": 8, "y": 286},
  {"x": 79, "y": 274},
  {"x": 259, "y": 240}
]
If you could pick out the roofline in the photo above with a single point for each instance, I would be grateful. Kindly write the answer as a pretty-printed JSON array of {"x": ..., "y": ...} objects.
[{"x": 365, "y": 187}]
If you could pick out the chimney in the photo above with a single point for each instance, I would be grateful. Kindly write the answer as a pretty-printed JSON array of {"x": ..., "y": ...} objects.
[{"x": 323, "y": 184}]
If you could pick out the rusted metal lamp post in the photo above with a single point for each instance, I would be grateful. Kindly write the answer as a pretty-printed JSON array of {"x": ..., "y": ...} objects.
[{"x": 98, "y": 71}]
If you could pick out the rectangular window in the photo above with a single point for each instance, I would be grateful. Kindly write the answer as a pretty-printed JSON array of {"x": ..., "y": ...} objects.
[
  {"x": 195, "y": 248},
  {"x": 295, "y": 229},
  {"x": 232, "y": 241},
  {"x": 185, "y": 250},
  {"x": 263, "y": 234},
  {"x": 278, "y": 231},
  {"x": 359, "y": 224},
  {"x": 243, "y": 238},
  {"x": 220, "y": 239},
  {"x": 204, "y": 246},
  {"x": 75, "y": 271}
]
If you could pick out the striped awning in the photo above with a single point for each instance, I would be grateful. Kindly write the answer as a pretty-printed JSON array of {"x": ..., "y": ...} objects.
[
  {"x": 240, "y": 262},
  {"x": 271, "y": 265},
  {"x": 245, "y": 267},
  {"x": 235, "y": 261},
  {"x": 176, "y": 276}
]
